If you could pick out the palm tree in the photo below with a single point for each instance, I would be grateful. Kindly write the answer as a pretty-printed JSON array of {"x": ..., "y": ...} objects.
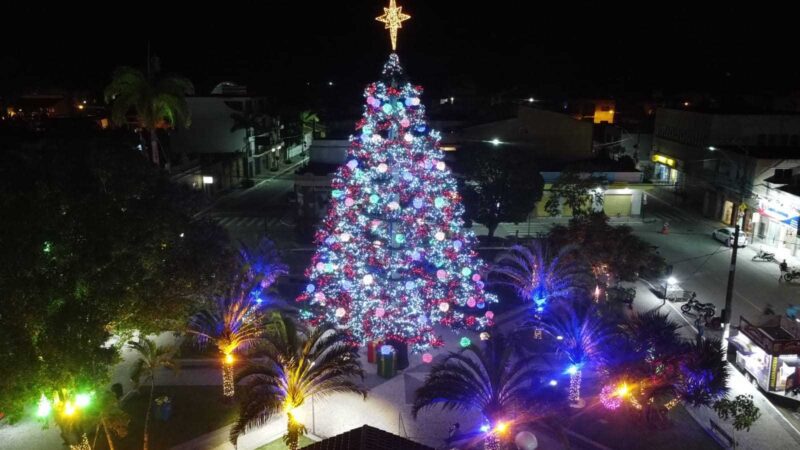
[
  {"x": 151, "y": 358},
  {"x": 157, "y": 103},
  {"x": 495, "y": 380},
  {"x": 581, "y": 333},
  {"x": 233, "y": 324},
  {"x": 110, "y": 416},
  {"x": 262, "y": 263},
  {"x": 703, "y": 373},
  {"x": 539, "y": 274},
  {"x": 299, "y": 363},
  {"x": 309, "y": 120}
]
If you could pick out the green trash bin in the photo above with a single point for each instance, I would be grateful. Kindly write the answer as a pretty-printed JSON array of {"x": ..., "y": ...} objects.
[{"x": 387, "y": 362}]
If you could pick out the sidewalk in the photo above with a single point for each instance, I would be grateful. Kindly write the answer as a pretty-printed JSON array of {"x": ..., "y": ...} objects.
[{"x": 771, "y": 431}]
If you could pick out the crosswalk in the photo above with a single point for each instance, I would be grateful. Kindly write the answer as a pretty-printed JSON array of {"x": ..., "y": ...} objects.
[{"x": 244, "y": 222}]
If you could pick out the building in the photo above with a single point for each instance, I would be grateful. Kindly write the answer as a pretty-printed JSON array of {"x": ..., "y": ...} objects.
[
  {"x": 768, "y": 352},
  {"x": 312, "y": 183},
  {"x": 622, "y": 195},
  {"x": 720, "y": 162},
  {"x": 367, "y": 438},
  {"x": 547, "y": 135},
  {"x": 231, "y": 122}
]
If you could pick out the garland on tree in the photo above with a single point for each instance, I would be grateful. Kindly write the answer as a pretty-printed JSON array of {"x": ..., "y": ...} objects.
[{"x": 393, "y": 259}]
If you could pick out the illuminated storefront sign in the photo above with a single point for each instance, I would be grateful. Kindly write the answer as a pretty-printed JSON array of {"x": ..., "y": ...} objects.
[
  {"x": 778, "y": 211},
  {"x": 665, "y": 160}
]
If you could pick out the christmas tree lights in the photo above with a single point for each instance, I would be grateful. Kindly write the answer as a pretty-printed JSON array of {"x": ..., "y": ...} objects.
[{"x": 393, "y": 259}]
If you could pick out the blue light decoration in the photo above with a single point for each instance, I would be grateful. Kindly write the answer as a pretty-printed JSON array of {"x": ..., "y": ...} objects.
[
  {"x": 485, "y": 428},
  {"x": 553, "y": 383},
  {"x": 405, "y": 230},
  {"x": 572, "y": 369}
]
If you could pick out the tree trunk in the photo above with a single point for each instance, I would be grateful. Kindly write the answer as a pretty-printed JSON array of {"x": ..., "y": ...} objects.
[
  {"x": 147, "y": 414},
  {"x": 490, "y": 442},
  {"x": 228, "y": 388},
  {"x": 575, "y": 388},
  {"x": 154, "y": 147},
  {"x": 108, "y": 435},
  {"x": 492, "y": 227}
]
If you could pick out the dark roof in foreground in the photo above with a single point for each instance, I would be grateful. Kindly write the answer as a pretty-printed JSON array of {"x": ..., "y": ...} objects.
[{"x": 366, "y": 438}]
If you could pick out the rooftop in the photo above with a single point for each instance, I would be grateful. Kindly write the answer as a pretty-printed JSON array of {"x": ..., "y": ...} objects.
[{"x": 367, "y": 438}]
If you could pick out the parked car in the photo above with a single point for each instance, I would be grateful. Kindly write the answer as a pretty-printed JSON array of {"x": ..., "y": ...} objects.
[{"x": 725, "y": 235}]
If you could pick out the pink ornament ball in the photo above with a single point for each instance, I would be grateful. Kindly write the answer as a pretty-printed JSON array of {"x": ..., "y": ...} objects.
[
  {"x": 349, "y": 202},
  {"x": 427, "y": 358},
  {"x": 489, "y": 315},
  {"x": 476, "y": 277},
  {"x": 471, "y": 302},
  {"x": 405, "y": 123},
  {"x": 380, "y": 312}
]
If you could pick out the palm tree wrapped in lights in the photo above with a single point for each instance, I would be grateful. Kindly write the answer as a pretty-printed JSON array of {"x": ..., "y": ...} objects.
[
  {"x": 233, "y": 324},
  {"x": 495, "y": 380},
  {"x": 300, "y": 363},
  {"x": 540, "y": 275},
  {"x": 581, "y": 333}
]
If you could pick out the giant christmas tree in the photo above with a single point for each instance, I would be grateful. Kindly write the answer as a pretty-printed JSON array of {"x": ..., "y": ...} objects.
[{"x": 393, "y": 259}]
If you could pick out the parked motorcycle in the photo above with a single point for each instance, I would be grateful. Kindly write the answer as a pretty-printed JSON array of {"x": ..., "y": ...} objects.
[
  {"x": 764, "y": 256},
  {"x": 694, "y": 308},
  {"x": 791, "y": 274}
]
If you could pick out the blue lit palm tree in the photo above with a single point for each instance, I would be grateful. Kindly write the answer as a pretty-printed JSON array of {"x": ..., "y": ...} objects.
[
  {"x": 703, "y": 373},
  {"x": 539, "y": 274},
  {"x": 262, "y": 263},
  {"x": 494, "y": 379},
  {"x": 581, "y": 333}
]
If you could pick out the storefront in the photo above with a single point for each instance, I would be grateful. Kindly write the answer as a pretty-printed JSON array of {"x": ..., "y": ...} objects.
[
  {"x": 775, "y": 224},
  {"x": 665, "y": 169},
  {"x": 769, "y": 352}
]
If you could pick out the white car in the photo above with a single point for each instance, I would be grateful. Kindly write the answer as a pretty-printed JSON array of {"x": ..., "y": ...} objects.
[{"x": 725, "y": 235}]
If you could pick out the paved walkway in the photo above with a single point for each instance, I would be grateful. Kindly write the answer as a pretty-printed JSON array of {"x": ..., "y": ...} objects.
[{"x": 772, "y": 431}]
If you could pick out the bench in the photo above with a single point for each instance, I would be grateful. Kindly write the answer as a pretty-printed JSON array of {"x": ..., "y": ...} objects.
[{"x": 722, "y": 433}]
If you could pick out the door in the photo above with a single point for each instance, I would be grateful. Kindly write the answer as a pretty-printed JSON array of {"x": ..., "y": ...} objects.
[{"x": 617, "y": 205}]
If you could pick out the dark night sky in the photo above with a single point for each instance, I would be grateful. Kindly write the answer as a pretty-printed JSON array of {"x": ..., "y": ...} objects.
[{"x": 596, "y": 48}]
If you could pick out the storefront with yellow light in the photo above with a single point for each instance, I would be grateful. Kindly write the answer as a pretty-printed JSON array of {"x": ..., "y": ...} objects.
[{"x": 665, "y": 168}]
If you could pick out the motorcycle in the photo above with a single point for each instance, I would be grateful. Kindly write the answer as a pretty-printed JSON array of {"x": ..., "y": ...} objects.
[
  {"x": 764, "y": 256},
  {"x": 694, "y": 307},
  {"x": 791, "y": 274}
]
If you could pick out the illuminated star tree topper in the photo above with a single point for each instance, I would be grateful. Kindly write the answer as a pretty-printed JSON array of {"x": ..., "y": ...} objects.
[{"x": 393, "y": 17}]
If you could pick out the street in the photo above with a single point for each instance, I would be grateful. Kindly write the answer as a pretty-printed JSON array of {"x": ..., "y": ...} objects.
[{"x": 264, "y": 208}]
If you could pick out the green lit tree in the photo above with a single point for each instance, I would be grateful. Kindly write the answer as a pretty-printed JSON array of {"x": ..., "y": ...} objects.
[{"x": 95, "y": 244}]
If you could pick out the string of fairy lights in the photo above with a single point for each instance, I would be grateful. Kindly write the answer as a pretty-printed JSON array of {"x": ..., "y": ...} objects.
[{"x": 393, "y": 259}]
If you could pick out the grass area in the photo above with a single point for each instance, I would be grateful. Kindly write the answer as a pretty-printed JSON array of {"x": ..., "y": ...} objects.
[
  {"x": 622, "y": 430},
  {"x": 196, "y": 410},
  {"x": 279, "y": 445}
]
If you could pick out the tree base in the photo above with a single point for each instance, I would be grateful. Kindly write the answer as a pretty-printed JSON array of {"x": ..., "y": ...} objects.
[{"x": 579, "y": 404}]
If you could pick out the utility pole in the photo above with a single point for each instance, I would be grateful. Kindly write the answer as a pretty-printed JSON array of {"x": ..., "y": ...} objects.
[{"x": 726, "y": 313}]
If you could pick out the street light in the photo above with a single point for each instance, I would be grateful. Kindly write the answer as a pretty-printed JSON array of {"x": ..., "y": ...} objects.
[{"x": 495, "y": 142}]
